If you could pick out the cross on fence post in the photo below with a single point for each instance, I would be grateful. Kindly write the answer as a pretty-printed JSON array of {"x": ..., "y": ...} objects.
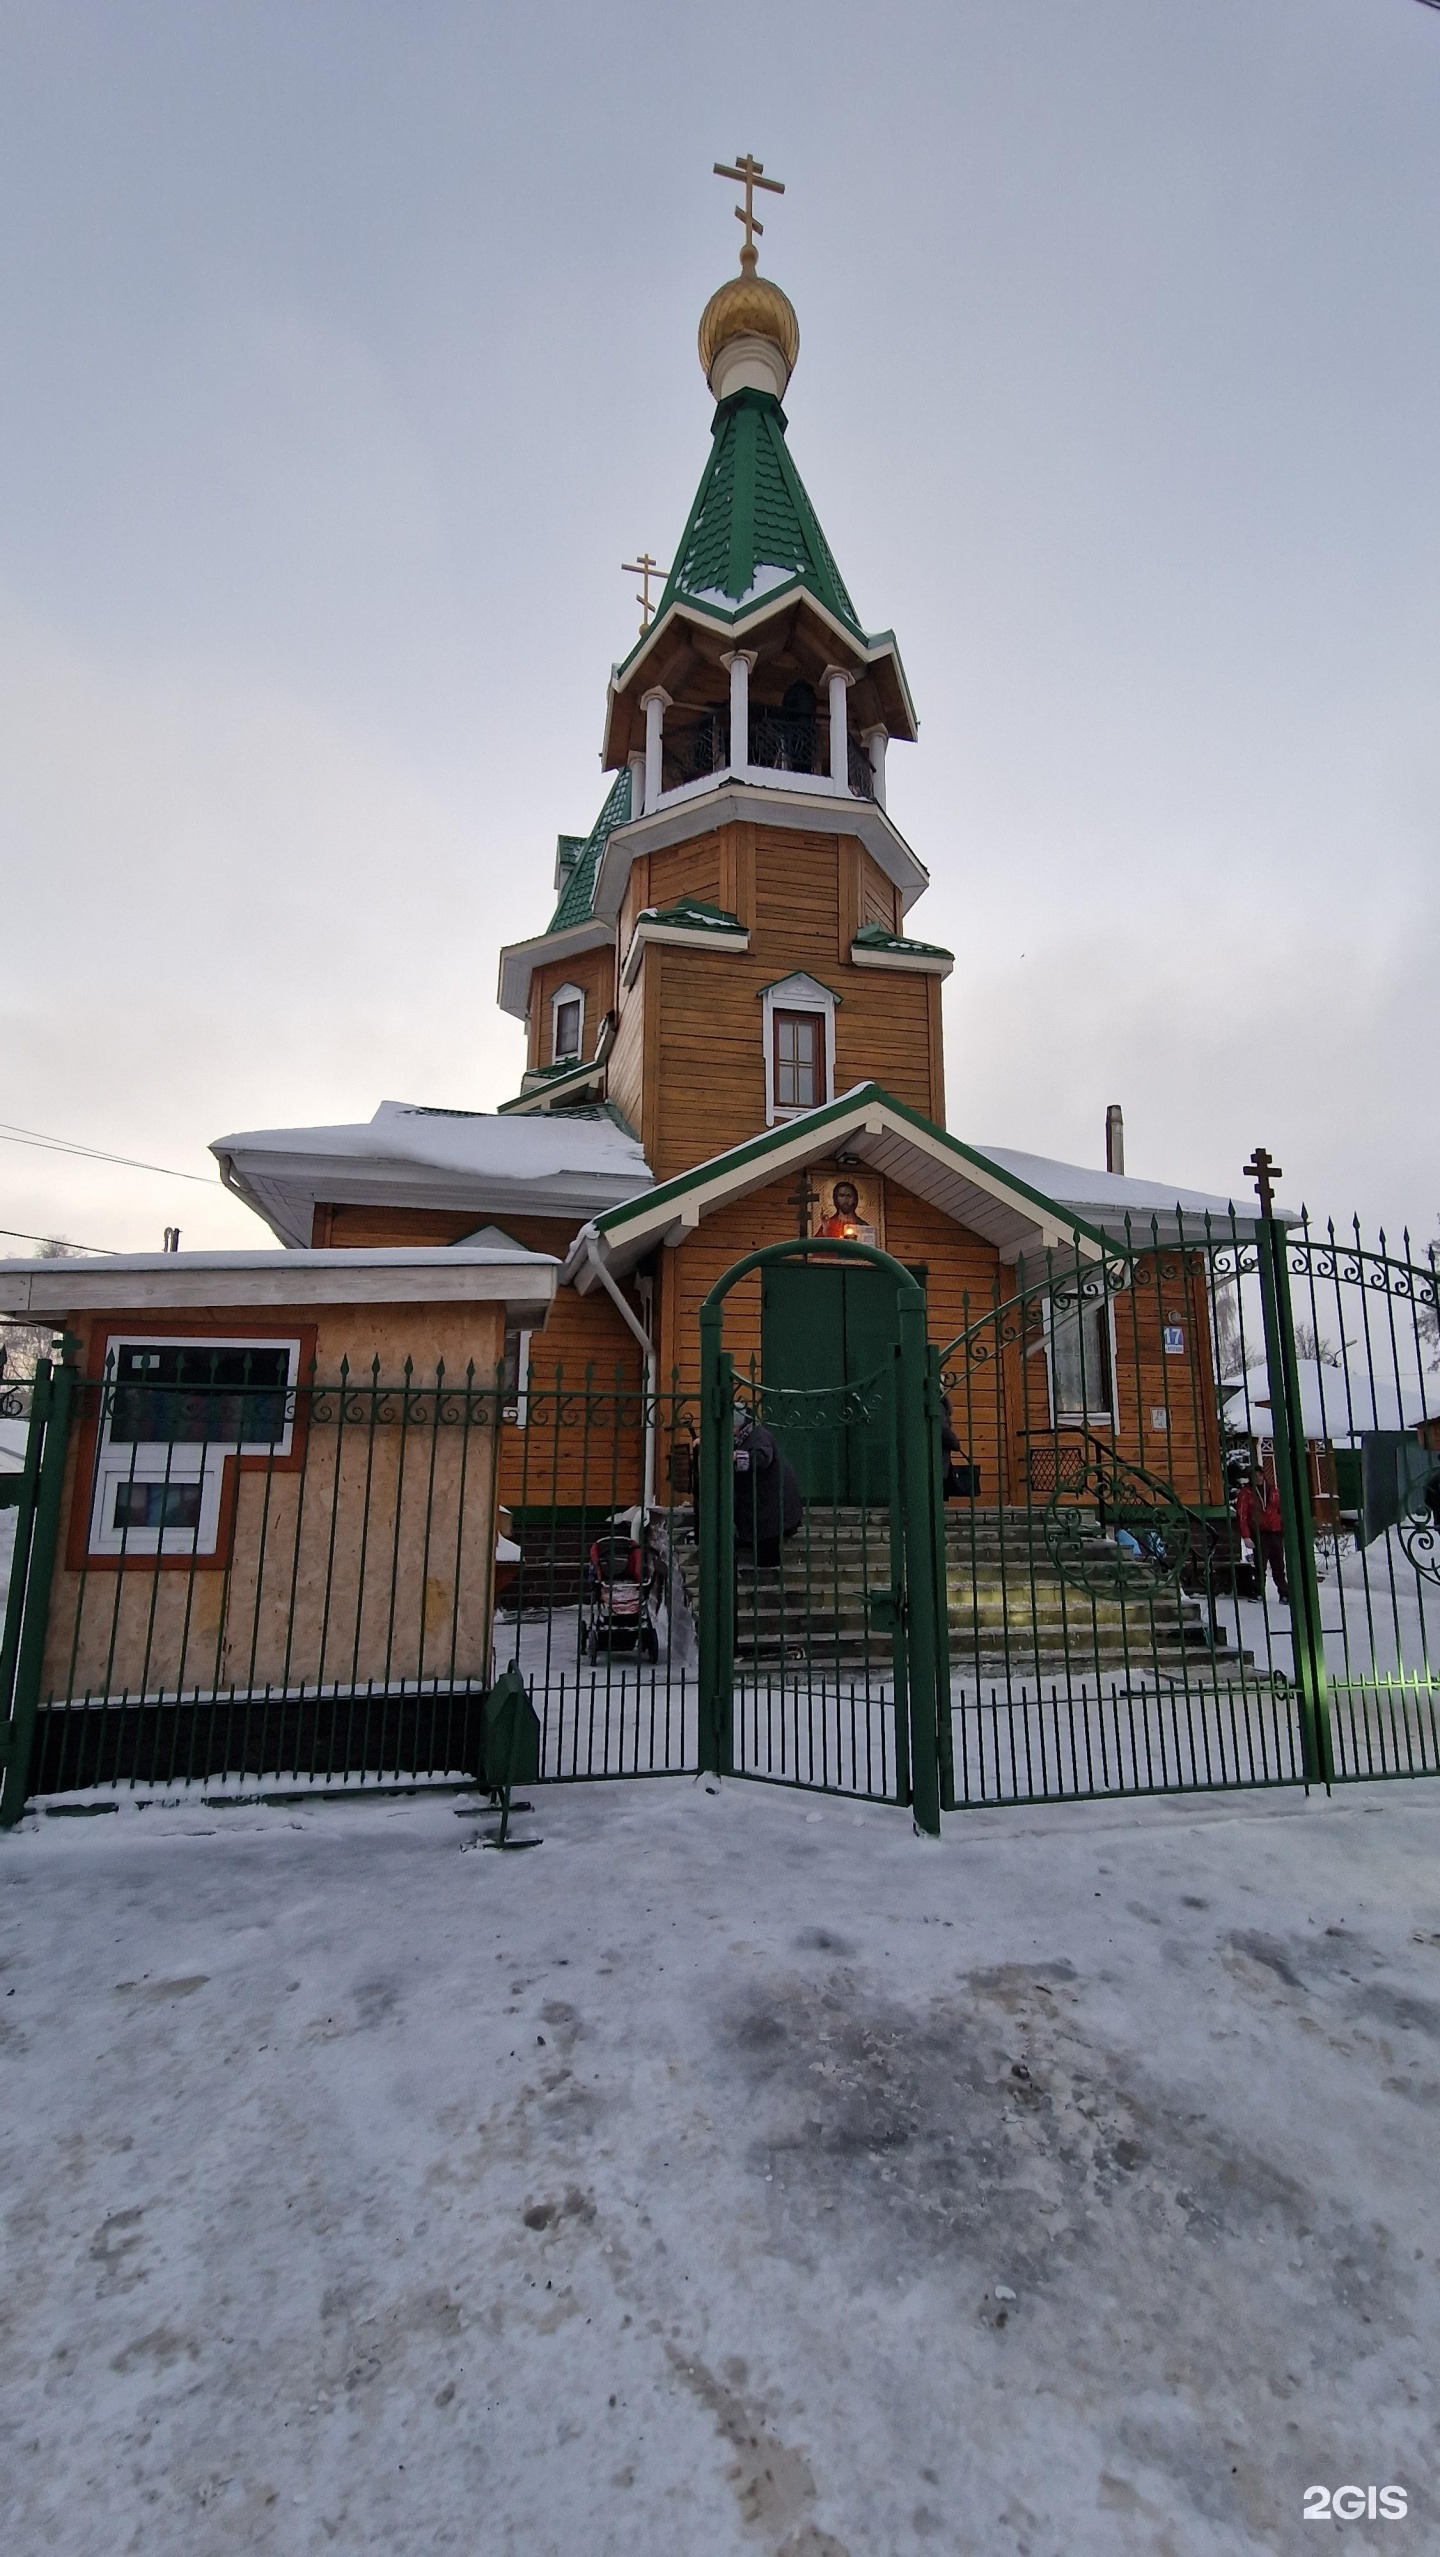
[{"x": 1264, "y": 1172}]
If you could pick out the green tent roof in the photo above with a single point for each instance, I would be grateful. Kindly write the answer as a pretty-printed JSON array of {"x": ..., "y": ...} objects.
[
  {"x": 578, "y": 894},
  {"x": 752, "y": 525}
]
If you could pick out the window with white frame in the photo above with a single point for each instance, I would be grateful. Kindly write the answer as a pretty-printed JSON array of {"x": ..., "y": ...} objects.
[
  {"x": 172, "y": 1413},
  {"x": 567, "y": 1025},
  {"x": 1080, "y": 1356},
  {"x": 799, "y": 1033},
  {"x": 799, "y": 1060}
]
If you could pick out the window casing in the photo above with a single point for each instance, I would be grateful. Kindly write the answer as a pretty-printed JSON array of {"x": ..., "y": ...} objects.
[
  {"x": 1080, "y": 1360},
  {"x": 799, "y": 1060},
  {"x": 798, "y": 1016},
  {"x": 567, "y": 1025},
  {"x": 172, "y": 1413}
]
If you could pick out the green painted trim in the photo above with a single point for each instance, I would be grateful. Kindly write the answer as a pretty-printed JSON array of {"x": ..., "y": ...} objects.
[
  {"x": 873, "y": 936},
  {"x": 851, "y": 1105},
  {"x": 694, "y": 914}
]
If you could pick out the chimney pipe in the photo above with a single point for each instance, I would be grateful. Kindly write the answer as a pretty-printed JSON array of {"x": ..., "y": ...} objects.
[{"x": 1114, "y": 1138}]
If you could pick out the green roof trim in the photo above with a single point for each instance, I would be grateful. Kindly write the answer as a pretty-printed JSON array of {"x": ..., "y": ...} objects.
[
  {"x": 850, "y": 1105},
  {"x": 873, "y": 936},
  {"x": 692, "y": 914},
  {"x": 577, "y": 895},
  {"x": 752, "y": 515}
]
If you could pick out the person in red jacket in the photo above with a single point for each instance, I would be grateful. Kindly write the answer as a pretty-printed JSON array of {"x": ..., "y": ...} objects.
[{"x": 1257, "y": 1515}]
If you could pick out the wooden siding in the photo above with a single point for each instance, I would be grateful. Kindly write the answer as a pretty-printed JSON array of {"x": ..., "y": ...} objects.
[
  {"x": 625, "y": 1074},
  {"x": 347, "y": 1228},
  {"x": 594, "y": 972},
  {"x": 686, "y": 870},
  {"x": 955, "y": 1262}
]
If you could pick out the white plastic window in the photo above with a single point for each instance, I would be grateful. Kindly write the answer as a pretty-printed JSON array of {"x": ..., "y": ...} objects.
[
  {"x": 171, "y": 1414},
  {"x": 567, "y": 1025}
]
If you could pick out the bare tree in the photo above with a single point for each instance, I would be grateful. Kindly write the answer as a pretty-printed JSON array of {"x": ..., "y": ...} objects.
[
  {"x": 22, "y": 1343},
  {"x": 1311, "y": 1342},
  {"x": 1233, "y": 1351},
  {"x": 1427, "y": 1317}
]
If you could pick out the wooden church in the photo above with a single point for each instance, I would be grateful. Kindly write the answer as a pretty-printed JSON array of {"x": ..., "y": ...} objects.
[{"x": 735, "y": 1035}]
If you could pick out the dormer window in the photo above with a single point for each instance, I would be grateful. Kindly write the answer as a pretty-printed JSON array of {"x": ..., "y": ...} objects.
[{"x": 567, "y": 1025}]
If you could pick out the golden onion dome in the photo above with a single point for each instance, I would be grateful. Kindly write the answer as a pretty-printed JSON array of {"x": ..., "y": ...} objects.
[{"x": 750, "y": 306}]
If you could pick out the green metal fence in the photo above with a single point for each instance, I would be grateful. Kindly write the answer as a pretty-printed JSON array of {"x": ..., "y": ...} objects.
[
  {"x": 1114, "y": 1628},
  {"x": 1162, "y": 1516}
]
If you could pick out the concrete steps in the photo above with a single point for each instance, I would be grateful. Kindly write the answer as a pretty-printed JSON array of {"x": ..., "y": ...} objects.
[{"x": 1011, "y": 1612}]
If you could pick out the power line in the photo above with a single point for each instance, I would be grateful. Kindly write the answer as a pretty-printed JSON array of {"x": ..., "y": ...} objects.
[
  {"x": 97, "y": 1154},
  {"x": 17, "y": 1234}
]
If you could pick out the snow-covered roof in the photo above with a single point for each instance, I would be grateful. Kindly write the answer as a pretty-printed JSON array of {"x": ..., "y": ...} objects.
[
  {"x": 572, "y": 1164},
  {"x": 1334, "y": 1403},
  {"x": 1107, "y": 1198}
]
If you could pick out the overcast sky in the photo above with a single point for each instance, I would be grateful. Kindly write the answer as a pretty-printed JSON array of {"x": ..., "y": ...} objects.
[{"x": 348, "y": 349}]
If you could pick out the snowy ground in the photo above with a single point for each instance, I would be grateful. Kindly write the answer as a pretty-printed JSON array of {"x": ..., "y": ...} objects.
[{"x": 734, "y": 2174}]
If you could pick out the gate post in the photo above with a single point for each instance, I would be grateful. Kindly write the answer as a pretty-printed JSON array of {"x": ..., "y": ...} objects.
[
  {"x": 717, "y": 1545},
  {"x": 933, "y": 1391},
  {"x": 37, "y": 1534},
  {"x": 917, "y": 1478},
  {"x": 1292, "y": 1475}
]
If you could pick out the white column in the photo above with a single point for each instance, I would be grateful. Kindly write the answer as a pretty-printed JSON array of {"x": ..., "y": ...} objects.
[
  {"x": 739, "y": 661},
  {"x": 875, "y": 741},
  {"x": 637, "y": 784},
  {"x": 654, "y": 704},
  {"x": 839, "y": 682}
]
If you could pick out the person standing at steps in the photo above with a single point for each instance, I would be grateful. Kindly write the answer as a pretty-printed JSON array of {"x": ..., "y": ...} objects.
[
  {"x": 768, "y": 1507},
  {"x": 1257, "y": 1515}
]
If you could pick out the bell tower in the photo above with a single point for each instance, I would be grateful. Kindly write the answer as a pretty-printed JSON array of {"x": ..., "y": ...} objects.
[{"x": 733, "y": 929}]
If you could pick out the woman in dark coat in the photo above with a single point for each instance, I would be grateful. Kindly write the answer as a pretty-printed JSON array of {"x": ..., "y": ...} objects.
[{"x": 767, "y": 1495}]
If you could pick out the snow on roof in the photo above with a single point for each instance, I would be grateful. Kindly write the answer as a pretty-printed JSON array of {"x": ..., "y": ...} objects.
[
  {"x": 1106, "y": 1198},
  {"x": 1334, "y": 1404},
  {"x": 570, "y": 1163},
  {"x": 462, "y": 1141}
]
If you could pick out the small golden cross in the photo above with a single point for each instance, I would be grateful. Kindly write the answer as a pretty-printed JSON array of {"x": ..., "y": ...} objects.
[
  {"x": 749, "y": 173},
  {"x": 644, "y": 568}
]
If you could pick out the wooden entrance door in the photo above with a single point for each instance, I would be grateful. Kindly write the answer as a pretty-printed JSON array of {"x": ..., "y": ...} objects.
[{"x": 825, "y": 1327}]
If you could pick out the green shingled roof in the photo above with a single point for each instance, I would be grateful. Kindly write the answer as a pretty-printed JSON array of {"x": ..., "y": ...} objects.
[
  {"x": 751, "y": 516},
  {"x": 578, "y": 893},
  {"x": 873, "y": 936}
]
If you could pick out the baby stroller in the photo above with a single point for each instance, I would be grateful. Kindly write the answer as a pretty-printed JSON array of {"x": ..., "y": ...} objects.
[{"x": 617, "y": 1598}]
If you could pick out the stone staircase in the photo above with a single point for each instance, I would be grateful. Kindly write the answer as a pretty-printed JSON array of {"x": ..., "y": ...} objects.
[{"x": 1011, "y": 1613}]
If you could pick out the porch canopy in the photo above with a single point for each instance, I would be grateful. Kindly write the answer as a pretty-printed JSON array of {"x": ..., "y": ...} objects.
[{"x": 989, "y": 1190}]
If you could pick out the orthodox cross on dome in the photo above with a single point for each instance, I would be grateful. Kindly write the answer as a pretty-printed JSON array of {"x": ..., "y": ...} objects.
[
  {"x": 1264, "y": 1173},
  {"x": 749, "y": 173},
  {"x": 644, "y": 568}
]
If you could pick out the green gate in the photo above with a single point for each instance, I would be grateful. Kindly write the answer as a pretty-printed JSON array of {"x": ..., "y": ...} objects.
[
  {"x": 1201, "y": 1543},
  {"x": 822, "y": 1651}
]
